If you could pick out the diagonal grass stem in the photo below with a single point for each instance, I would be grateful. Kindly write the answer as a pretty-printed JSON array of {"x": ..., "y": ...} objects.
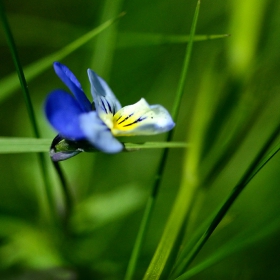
[
  {"x": 261, "y": 159},
  {"x": 42, "y": 160},
  {"x": 151, "y": 200}
]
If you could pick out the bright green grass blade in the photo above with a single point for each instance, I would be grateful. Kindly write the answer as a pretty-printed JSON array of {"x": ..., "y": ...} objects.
[
  {"x": 32, "y": 145},
  {"x": 155, "y": 145},
  {"x": 105, "y": 44},
  {"x": 135, "y": 39},
  {"x": 246, "y": 23},
  {"x": 23, "y": 145},
  {"x": 186, "y": 191},
  {"x": 9, "y": 84},
  {"x": 240, "y": 242}
]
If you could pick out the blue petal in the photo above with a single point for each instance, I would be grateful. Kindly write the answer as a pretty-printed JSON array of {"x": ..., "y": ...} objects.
[
  {"x": 65, "y": 74},
  {"x": 103, "y": 97},
  {"x": 62, "y": 111},
  {"x": 98, "y": 133}
]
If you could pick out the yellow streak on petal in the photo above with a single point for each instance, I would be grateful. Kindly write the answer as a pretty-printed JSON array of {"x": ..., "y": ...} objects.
[{"x": 128, "y": 118}]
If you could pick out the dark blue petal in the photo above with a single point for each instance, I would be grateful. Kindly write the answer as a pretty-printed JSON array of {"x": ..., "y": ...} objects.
[
  {"x": 103, "y": 97},
  {"x": 99, "y": 134},
  {"x": 62, "y": 111},
  {"x": 65, "y": 74}
]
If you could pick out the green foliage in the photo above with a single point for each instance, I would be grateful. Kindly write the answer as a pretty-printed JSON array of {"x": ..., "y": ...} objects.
[{"x": 202, "y": 205}]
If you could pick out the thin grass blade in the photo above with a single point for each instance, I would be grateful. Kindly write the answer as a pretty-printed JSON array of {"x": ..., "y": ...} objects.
[
  {"x": 47, "y": 202},
  {"x": 136, "y": 39},
  {"x": 9, "y": 84},
  {"x": 186, "y": 192},
  {"x": 11, "y": 145},
  {"x": 238, "y": 243},
  {"x": 261, "y": 159}
]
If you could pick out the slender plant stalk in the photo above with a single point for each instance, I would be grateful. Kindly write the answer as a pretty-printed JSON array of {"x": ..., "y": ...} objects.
[
  {"x": 260, "y": 160},
  {"x": 8, "y": 85},
  {"x": 151, "y": 200},
  {"x": 31, "y": 114},
  {"x": 68, "y": 196},
  {"x": 181, "y": 261},
  {"x": 19, "y": 70},
  {"x": 237, "y": 244}
]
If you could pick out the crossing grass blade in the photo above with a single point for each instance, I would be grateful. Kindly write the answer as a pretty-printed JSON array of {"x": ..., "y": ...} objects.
[
  {"x": 136, "y": 39},
  {"x": 186, "y": 192},
  {"x": 10, "y": 145},
  {"x": 9, "y": 84},
  {"x": 258, "y": 163},
  {"x": 240, "y": 242}
]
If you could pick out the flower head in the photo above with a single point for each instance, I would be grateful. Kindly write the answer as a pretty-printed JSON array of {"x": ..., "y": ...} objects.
[{"x": 73, "y": 117}]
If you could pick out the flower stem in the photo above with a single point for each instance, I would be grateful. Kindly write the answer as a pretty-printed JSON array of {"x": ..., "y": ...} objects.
[
  {"x": 66, "y": 190},
  {"x": 151, "y": 201}
]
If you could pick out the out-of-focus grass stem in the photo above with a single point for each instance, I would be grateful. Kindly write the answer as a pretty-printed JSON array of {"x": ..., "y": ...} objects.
[
  {"x": 28, "y": 103},
  {"x": 151, "y": 200},
  {"x": 255, "y": 166}
]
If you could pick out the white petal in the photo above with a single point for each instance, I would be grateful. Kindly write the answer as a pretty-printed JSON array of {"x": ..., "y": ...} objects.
[{"x": 141, "y": 119}]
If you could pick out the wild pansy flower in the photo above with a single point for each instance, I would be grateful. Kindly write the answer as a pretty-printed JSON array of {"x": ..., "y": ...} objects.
[{"x": 77, "y": 120}]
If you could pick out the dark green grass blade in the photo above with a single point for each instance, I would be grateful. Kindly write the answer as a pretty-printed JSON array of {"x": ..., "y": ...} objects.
[
  {"x": 181, "y": 262},
  {"x": 135, "y": 39},
  {"x": 9, "y": 84},
  {"x": 261, "y": 159},
  {"x": 20, "y": 74},
  {"x": 42, "y": 161},
  {"x": 174, "y": 223},
  {"x": 238, "y": 243}
]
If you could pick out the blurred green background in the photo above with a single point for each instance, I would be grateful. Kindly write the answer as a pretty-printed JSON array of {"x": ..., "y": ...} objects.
[{"x": 230, "y": 106}]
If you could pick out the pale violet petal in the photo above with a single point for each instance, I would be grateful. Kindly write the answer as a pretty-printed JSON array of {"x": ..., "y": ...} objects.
[
  {"x": 59, "y": 149},
  {"x": 106, "y": 103},
  {"x": 60, "y": 156},
  {"x": 98, "y": 134},
  {"x": 141, "y": 119}
]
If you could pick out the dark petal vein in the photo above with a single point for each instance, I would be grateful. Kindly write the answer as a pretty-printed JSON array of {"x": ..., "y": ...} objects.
[
  {"x": 126, "y": 118},
  {"x": 138, "y": 120}
]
